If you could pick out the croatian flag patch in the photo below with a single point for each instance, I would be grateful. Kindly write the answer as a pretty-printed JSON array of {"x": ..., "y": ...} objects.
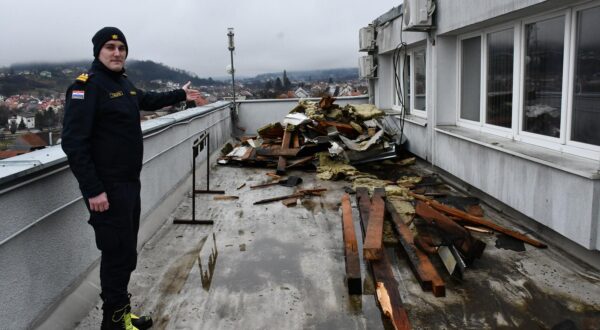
[{"x": 78, "y": 95}]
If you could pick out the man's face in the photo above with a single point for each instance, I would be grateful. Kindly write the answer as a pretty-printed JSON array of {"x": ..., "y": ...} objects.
[{"x": 113, "y": 55}]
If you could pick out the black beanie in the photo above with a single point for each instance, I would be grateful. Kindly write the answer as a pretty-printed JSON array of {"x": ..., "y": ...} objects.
[{"x": 107, "y": 34}]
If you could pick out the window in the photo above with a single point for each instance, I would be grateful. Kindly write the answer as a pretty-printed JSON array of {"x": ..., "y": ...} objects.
[
  {"x": 411, "y": 68},
  {"x": 419, "y": 82},
  {"x": 536, "y": 80},
  {"x": 585, "y": 124},
  {"x": 500, "y": 49},
  {"x": 470, "y": 79},
  {"x": 542, "y": 95}
]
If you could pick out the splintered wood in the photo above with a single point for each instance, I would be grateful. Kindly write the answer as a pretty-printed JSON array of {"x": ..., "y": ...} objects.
[
  {"x": 419, "y": 262},
  {"x": 470, "y": 247},
  {"x": 350, "y": 248},
  {"x": 373, "y": 246},
  {"x": 473, "y": 220},
  {"x": 384, "y": 300},
  {"x": 382, "y": 268}
]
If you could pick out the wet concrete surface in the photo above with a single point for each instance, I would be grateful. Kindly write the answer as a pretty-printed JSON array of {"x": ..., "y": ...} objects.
[{"x": 273, "y": 267}]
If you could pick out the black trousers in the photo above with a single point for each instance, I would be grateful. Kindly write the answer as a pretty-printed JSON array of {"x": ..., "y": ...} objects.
[{"x": 116, "y": 233}]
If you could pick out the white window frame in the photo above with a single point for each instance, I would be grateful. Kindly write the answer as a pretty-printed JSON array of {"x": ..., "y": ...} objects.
[
  {"x": 459, "y": 60},
  {"x": 563, "y": 143},
  {"x": 395, "y": 101},
  {"x": 413, "y": 76},
  {"x": 540, "y": 139},
  {"x": 485, "y": 127},
  {"x": 575, "y": 147},
  {"x": 411, "y": 99}
]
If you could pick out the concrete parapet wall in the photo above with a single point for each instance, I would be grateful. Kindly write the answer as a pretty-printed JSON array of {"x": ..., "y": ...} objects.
[
  {"x": 46, "y": 246},
  {"x": 253, "y": 114}
]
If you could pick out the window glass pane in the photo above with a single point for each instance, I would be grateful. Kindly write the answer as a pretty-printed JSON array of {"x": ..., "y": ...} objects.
[
  {"x": 420, "y": 80},
  {"x": 586, "y": 88},
  {"x": 471, "y": 79},
  {"x": 543, "y": 76},
  {"x": 500, "y": 78}
]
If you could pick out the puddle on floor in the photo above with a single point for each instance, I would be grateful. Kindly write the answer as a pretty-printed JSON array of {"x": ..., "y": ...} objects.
[
  {"x": 206, "y": 275},
  {"x": 508, "y": 243}
]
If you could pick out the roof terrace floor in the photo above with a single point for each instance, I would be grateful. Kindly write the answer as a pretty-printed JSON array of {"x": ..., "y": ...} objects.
[{"x": 273, "y": 267}]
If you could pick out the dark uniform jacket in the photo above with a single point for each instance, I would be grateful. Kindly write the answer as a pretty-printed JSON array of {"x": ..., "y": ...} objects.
[{"x": 102, "y": 136}]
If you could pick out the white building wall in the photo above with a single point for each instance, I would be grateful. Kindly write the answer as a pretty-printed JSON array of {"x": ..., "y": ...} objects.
[
  {"x": 561, "y": 201},
  {"x": 560, "y": 191}
]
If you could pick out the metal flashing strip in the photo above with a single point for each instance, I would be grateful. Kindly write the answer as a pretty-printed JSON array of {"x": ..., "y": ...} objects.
[
  {"x": 22, "y": 230},
  {"x": 15, "y": 168},
  {"x": 391, "y": 15},
  {"x": 31, "y": 162},
  {"x": 182, "y": 141}
]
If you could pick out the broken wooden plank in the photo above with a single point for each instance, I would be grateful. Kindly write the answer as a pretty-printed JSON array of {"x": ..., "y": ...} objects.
[
  {"x": 382, "y": 269},
  {"x": 279, "y": 198},
  {"x": 480, "y": 221},
  {"x": 272, "y": 131},
  {"x": 298, "y": 194},
  {"x": 373, "y": 246},
  {"x": 343, "y": 128},
  {"x": 353, "y": 278},
  {"x": 290, "y": 202},
  {"x": 384, "y": 300},
  {"x": 285, "y": 144},
  {"x": 382, "y": 272},
  {"x": 296, "y": 140},
  {"x": 277, "y": 151},
  {"x": 419, "y": 262},
  {"x": 479, "y": 230},
  {"x": 225, "y": 198},
  {"x": 299, "y": 162},
  {"x": 470, "y": 247}
]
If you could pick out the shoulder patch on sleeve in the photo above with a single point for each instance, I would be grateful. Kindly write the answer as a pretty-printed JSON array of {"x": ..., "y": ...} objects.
[{"x": 83, "y": 78}]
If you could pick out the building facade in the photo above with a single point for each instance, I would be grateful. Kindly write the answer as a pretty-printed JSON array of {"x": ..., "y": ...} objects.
[{"x": 504, "y": 95}]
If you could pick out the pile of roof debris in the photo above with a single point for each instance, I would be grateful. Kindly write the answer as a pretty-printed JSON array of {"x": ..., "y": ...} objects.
[
  {"x": 431, "y": 228},
  {"x": 402, "y": 209},
  {"x": 323, "y": 132}
]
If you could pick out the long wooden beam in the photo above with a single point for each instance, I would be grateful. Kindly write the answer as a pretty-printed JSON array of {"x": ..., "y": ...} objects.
[
  {"x": 470, "y": 219},
  {"x": 419, "y": 262},
  {"x": 350, "y": 248},
  {"x": 382, "y": 269},
  {"x": 373, "y": 246}
]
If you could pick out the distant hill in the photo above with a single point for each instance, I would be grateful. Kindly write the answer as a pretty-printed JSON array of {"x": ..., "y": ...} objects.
[
  {"x": 342, "y": 74},
  {"x": 26, "y": 78}
]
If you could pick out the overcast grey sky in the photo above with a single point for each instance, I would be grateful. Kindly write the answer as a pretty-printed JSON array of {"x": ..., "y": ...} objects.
[{"x": 270, "y": 35}]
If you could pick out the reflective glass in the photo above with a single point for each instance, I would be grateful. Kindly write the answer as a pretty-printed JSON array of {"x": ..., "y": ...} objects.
[
  {"x": 586, "y": 88},
  {"x": 471, "y": 79},
  {"x": 420, "y": 80},
  {"x": 500, "y": 78},
  {"x": 544, "y": 48}
]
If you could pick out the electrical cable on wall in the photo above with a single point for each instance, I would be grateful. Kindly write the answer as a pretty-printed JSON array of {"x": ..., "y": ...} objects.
[{"x": 399, "y": 58}]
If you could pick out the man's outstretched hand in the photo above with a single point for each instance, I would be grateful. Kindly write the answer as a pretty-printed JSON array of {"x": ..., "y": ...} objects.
[{"x": 192, "y": 94}]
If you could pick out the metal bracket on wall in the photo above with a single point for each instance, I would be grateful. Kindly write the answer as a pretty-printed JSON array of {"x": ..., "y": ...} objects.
[{"x": 202, "y": 141}]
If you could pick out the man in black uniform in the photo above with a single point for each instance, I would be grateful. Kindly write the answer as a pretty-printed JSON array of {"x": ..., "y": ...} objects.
[{"x": 102, "y": 138}]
